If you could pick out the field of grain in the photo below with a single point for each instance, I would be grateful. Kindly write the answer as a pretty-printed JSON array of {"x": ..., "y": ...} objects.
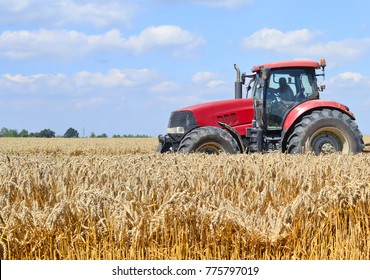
[{"x": 118, "y": 199}]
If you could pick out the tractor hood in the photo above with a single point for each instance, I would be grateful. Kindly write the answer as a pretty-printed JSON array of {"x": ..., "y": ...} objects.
[{"x": 238, "y": 113}]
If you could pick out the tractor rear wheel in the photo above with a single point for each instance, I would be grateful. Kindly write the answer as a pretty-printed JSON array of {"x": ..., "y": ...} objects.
[
  {"x": 325, "y": 131},
  {"x": 208, "y": 140}
]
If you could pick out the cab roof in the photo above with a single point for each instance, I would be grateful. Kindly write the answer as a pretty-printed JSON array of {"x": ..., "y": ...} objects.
[{"x": 288, "y": 63}]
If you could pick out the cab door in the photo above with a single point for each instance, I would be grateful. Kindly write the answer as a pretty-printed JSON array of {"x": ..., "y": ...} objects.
[{"x": 258, "y": 101}]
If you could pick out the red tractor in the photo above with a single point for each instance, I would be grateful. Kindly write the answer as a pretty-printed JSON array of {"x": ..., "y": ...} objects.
[{"x": 284, "y": 114}]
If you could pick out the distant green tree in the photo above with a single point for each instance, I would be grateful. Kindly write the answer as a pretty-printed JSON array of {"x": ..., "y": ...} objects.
[
  {"x": 13, "y": 133},
  {"x": 23, "y": 133},
  {"x": 5, "y": 132},
  {"x": 71, "y": 133},
  {"x": 92, "y": 135},
  {"x": 46, "y": 133},
  {"x": 130, "y": 136},
  {"x": 102, "y": 136}
]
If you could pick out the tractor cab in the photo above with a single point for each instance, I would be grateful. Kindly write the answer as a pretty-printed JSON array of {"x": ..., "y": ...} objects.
[{"x": 279, "y": 87}]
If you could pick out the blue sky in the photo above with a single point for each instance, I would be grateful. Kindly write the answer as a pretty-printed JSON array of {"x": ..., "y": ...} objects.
[{"x": 121, "y": 67}]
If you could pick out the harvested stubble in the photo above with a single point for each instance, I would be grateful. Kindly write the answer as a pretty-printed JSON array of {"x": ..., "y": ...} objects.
[{"x": 112, "y": 202}]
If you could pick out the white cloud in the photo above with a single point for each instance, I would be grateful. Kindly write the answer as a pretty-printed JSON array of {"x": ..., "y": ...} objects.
[
  {"x": 29, "y": 44},
  {"x": 211, "y": 3},
  {"x": 89, "y": 102},
  {"x": 115, "y": 88},
  {"x": 65, "y": 12},
  {"x": 14, "y": 5},
  {"x": 166, "y": 86},
  {"x": 24, "y": 104},
  {"x": 224, "y": 3},
  {"x": 354, "y": 77},
  {"x": 70, "y": 44},
  {"x": 208, "y": 78},
  {"x": 99, "y": 14},
  {"x": 114, "y": 78},
  {"x": 33, "y": 83},
  {"x": 303, "y": 43},
  {"x": 356, "y": 82},
  {"x": 163, "y": 36},
  {"x": 200, "y": 77},
  {"x": 272, "y": 39},
  {"x": 81, "y": 82},
  {"x": 215, "y": 83},
  {"x": 23, "y": 79},
  {"x": 180, "y": 100},
  {"x": 351, "y": 89}
]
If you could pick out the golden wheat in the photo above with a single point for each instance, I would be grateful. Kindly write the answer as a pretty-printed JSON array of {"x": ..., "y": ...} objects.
[{"x": 118, "y": 199}]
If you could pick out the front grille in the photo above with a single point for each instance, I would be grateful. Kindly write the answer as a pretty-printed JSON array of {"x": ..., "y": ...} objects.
[{"x": 184, "y": 119}]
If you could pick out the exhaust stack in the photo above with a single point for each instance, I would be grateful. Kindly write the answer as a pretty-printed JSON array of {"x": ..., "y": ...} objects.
[{"x": 238, "y": 83}]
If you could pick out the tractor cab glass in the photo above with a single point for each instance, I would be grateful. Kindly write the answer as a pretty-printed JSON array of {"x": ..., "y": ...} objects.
[
  {"x": 286, "y": 88},
  {"x": 258, "y": 100}
]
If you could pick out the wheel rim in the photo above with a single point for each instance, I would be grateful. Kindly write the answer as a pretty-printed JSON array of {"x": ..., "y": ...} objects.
[
  {"x": 210, "y": 148},
  {"x": 329, "y": 140}
]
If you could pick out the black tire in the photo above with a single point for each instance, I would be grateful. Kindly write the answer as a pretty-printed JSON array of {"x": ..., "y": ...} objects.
[
  {"x": 208, "y": 140},
  {"x": 325, "y": 131}
]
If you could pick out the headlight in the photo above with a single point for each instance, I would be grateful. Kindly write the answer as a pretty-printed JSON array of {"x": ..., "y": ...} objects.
[
  {"x": 180, "y": 123},
  {"x": 176, "y": 130}
]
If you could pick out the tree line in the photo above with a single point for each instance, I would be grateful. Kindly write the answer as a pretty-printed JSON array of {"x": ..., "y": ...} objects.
[{"x": 70, "y": 133}]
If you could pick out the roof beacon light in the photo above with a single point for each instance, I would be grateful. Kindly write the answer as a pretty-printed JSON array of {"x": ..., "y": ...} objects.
[{"x": 323, "y": 63}]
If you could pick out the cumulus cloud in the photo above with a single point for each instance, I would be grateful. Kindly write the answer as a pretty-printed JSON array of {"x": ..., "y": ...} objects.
[
  {"x": 65, "y": 12},
  {"x": 166, "y": 86},
  {"x": 215, "y": 83},
  {"x": 272, "y": 39},
  {"x": 207, "y": 78},
  {"x": 224, "y": 3},
  {"x": 113, "y": 78},
  {"x": 77, "y": 83},
  {"x": 180, "y": 100},
  {"x": 25, "y": 44},
  {"x": 354, "y": 77},
  {"x": 14, "y": 5},
  {"x": 21, "y": 79},
  {"x": 211, "y": 3},
  {"x": 351, "y": 89},
  {"x": 304, "y": 43},
  {"x": 352, "y": 80},
  {"x": 163, "y": 36},
  {"x": 115, "y": 88},
  {"x": 200, "y": 77},
  {"x": 29, "y": 84},
  {"x": 89, "y": 102}
]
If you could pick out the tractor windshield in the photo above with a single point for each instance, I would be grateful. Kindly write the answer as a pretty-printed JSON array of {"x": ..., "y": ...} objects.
[{"x": 286, "y": 89}]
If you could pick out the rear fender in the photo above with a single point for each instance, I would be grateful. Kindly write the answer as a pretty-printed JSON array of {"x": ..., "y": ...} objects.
[{"x": 305, "y": 108}]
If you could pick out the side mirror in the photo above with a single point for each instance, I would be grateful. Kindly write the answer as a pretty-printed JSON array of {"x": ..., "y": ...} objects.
[{"x": 244, "y": 75}]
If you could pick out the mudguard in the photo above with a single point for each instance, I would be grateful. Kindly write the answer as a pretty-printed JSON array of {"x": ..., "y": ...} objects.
[
  {"x": 304, "y": 107},
  {"x": 308, "y": 106}
]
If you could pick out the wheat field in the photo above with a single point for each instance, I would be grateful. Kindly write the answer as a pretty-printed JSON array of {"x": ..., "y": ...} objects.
[{"x": 94, "y": 199}]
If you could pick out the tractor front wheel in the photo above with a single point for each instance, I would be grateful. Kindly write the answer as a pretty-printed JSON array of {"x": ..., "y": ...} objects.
[
  {"x": 326, "y": 131},
  {"x": 208, "y": 140}
]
